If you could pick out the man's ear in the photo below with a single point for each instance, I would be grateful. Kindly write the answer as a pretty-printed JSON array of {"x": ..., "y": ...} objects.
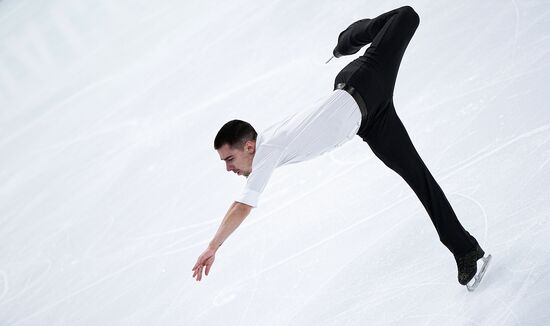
[{"x": 250, "y": 147}]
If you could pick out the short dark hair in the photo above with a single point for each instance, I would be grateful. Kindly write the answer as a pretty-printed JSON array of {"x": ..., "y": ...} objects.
[{"x": 235, "y": 133}]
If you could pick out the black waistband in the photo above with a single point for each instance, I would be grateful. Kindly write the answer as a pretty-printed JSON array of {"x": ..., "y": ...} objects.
[{"x": 353, "y": 92}]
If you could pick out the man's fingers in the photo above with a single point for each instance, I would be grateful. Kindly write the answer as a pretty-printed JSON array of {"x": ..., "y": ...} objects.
[
  {"x": 195, "y": 271},
  {"x": 198, "y": 263},
  {"x": 196, "y": 268},
  {"x": 202, "y": 262}
]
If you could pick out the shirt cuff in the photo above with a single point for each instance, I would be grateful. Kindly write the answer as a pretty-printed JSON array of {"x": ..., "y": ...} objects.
[{"x": 249, "y": 197}]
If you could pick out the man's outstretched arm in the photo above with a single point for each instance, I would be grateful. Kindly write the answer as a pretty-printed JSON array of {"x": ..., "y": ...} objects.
[{"x": 233, "y": 218}]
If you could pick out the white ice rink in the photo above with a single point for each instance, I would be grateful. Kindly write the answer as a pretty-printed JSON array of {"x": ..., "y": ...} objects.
[{"x": 110, "y": 187}]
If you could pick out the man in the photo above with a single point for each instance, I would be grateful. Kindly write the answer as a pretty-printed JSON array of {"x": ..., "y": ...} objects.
[{"x": 361, "y": 104}]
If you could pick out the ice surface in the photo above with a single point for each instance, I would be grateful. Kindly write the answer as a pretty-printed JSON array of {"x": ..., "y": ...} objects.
[{"x": 110, "y": 187}]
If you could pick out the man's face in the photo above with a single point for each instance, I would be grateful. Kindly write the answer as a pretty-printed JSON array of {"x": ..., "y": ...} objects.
[{"x": 238, "y": 160}]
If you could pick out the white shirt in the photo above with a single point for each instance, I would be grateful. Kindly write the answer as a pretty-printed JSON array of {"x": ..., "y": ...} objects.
[{"x": 301, "y": 137}]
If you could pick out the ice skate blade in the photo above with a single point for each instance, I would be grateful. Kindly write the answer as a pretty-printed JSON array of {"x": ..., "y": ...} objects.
[{"x": 479, "y": 275}]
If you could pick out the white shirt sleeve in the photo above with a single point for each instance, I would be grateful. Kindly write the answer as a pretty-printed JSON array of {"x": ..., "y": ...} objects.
[{"x": 264, "y": 163}]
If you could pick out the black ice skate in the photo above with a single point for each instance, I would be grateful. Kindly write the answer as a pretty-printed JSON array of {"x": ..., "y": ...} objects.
[
  {"x": 467, "y": 268},
  {"x": 345, "y": 46}
]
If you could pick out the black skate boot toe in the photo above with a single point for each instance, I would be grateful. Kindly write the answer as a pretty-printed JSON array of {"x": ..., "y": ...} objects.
[
  {"x": 467, "y": 265},
  {"x": 465, "y": 277}
]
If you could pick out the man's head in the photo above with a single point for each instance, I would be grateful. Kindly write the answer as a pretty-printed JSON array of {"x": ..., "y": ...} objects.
[{"x": 236, "y": 144}]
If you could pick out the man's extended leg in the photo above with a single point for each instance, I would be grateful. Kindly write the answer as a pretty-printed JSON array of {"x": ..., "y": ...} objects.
[
  {"x": 391, "y": 143},
  {"x": 374, "y": 75}
]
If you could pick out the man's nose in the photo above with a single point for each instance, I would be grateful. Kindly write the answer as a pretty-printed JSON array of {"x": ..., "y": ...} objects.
[{"x": 229, "y": 168}]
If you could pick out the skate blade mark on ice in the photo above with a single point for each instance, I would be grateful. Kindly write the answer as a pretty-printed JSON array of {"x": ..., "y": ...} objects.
[{"x": 479, "y": 276}]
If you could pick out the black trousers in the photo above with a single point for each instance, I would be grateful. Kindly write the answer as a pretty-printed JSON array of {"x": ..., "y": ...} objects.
[{"x": 373, "y": 76}]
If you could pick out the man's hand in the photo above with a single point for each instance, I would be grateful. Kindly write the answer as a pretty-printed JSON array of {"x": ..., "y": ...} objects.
[
  {"x": 235, "y": 215},
  {"x": 206, "y": 259}
]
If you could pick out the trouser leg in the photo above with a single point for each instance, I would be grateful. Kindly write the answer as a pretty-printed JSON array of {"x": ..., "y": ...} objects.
[
  {"x": 389, "y": 35},
  {"x": 374, "y": 74},
  {"x": 391, "y": 143}
]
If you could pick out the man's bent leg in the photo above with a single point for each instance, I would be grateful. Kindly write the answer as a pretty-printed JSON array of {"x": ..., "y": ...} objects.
[
  {"x": 389, "y": 35},
  {"x": 373, "y": 74}
]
